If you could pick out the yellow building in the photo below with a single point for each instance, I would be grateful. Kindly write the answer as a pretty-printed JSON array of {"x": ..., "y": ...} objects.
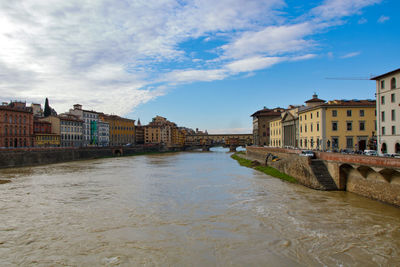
[
  {"x": 152, "y": 134},
  {"x": 122, "y": 130},
  {"x": 275, "y": 127},
  {"x": 337, "y": 124},
  {"x": 47, "y": 140}
]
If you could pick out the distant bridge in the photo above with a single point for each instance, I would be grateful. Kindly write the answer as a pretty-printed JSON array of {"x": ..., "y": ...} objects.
[{"x": 206, "y": 141}]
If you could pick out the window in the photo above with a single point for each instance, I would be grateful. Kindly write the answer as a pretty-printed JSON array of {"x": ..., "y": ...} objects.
[
  {"x": 361, "y": 113},
  {"x": 300, "y": 118},
  {"x": 349, "y": 126},
  {"x": 317, "y": 127},
  {"x": 383, "y": 84},
  {"x": 362, "y": 126},
  {"x": 383, "y": 130},
  {"x": 383, "y": 116},
  {"x": 305, "y": 128},
  {"x": 392, "y": 98},
  {"x": 311, "y": 116},
  {"x": 334, "y": 126},
  {"x": 349, "y": 142},
  {"x": 348, "y": 113},
  {"x": 393, "y": 83},
  {"x": 301, "y": 142},
  {"x": 305, "y": 117},
  {"x": 317, "y": 114},
  {"x": 311, "y": 128},
  {"x": 301, "y": 128},
  {"x": 393, "y": 115},
  {"x": 383, "y": 100},
  {"x": 334, "y": 113},
  {"x": 393, "y": 130}
]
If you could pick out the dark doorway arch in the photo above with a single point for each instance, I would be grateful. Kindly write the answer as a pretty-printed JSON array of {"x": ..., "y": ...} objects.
[
  {"x": 362, "y": 145},
  {"x": 397, "y": 148},
  {"x": 384, "y": 148}
]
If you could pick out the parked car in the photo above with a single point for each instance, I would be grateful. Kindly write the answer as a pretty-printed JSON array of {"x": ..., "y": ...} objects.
[
  {"x": 370, "y": 152},
  {"x": 307, "y": 153}
]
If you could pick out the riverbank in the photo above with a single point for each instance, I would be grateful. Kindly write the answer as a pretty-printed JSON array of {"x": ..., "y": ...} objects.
[
  {"x": 240, "y": 157},
  {"x": 35, "y": 157}
]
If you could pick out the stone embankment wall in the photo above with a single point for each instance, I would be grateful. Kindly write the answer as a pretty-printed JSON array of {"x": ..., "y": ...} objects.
[
  {"x": 290, "y": 163},
  {"x": 373, "y": 177},
  {"x": 31, "y": 157}
]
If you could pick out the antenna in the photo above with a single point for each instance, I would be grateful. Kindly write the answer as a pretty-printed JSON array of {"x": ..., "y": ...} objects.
[{"x": 347, "y": 78}]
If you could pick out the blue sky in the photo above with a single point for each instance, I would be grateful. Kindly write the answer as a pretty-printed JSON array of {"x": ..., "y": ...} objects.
[{"x": 202, "y": 64}]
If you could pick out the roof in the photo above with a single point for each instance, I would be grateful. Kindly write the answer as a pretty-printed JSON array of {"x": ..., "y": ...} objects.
[
  {"x": 268, "y": 112},
  {"x": 385, "y": 74},
  {"x": 343, "y": 103},
  {"x": 315, "y": 99}
]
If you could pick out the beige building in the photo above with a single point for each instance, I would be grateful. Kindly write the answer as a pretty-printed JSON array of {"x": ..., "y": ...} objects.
[
  {"x": 261, "y": 119},
  {"x": 152, "y": 134},
  {"x": 337, "y": 124},
  {"x": 275, "y": 126},
  {"x": 388, "y": 112}
]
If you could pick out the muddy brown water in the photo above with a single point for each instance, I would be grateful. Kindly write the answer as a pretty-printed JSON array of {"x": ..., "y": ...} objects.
[{"x": 185, "y": 209}]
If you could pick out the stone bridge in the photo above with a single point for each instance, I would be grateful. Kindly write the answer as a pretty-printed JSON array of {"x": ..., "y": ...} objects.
[
  {"x": 206, "y": 141},
  {"x": 373, "y": 177}
]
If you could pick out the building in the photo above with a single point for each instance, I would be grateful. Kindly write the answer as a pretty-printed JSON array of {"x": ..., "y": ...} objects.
[
  {"x": 290, "y": 126},
  {"x": 71, "y": 130},
  {"x": 275, "y": 126},
  {"x": 121, "y": 130},
  {"x": 43, "y": 135},
  {"x": 104, "y": 133},
  {"x": 388, "y": 112},
  {"x": 337, "y": 124},
  {"x": 37, "y": 110},
  {"x": 16, "y": 125},
  {"x": 261, "y": 130},
  {"x": 139, "y": 133},
  {"x": 90, "y": 124},
  {"x": 152, "y": 134}
]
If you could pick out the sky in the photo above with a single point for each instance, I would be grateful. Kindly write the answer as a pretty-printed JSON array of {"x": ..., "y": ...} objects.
[{"x": 203, "y": 64}]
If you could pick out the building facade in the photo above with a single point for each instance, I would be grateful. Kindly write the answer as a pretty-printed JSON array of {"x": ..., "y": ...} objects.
[
  {"x": 16, "y": 125},
  {"x": 71, "y": 130},
  {"x": 337, "y": 125},
  {"x": 121, "y": 130},
  {"x": 261, "y": 130},
  {"x": 388, "y": 112},
  {"x": 104, "y": 133},
  {"x": 43, "y": 134},
  {"x": 275, "y": 126},
  {"x": 90, "y": 124}
]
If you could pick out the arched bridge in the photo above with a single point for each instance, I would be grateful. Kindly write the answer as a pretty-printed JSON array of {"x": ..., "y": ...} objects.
[{"x": 206, "y": 141}]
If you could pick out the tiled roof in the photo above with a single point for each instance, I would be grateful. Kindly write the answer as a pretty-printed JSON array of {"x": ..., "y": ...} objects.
[{"x": 385, "y": 74}]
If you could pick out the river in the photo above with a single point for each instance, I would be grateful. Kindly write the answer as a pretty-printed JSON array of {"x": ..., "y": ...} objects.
[{"x": 185, "y": 209}]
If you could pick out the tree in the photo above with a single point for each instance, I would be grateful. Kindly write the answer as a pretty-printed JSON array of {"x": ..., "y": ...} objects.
[{"x": 47, "y": 109}]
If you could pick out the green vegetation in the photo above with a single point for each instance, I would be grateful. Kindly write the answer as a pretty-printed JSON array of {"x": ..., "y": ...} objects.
[
  {"x": 265, "y": 169},
  {"x": 47, "y": 110}
]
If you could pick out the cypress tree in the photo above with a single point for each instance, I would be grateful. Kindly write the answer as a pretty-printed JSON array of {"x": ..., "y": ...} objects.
[{"x": 47, "y": 109}]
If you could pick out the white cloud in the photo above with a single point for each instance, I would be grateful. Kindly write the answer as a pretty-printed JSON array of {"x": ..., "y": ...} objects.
[
  {"x": 113, "y": 55},
  {"x": 383, "y": 19},
  {"x": 333, "y": 9},
  {"x": 362, "y": 21},
  {"x": 252, "y": 64},
  {"x": 352, "y": 54},
  {"x": 272, "y": 40}
]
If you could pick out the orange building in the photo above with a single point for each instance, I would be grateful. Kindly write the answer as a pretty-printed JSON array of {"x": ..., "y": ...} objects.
[{"x": 122, "y": 130}]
